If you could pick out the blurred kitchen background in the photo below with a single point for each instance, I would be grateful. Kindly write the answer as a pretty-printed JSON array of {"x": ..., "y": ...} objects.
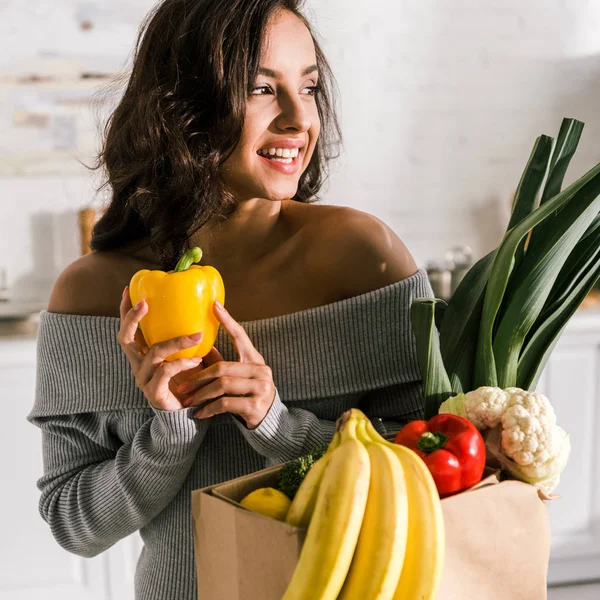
[{"x": 440, "y": 104}]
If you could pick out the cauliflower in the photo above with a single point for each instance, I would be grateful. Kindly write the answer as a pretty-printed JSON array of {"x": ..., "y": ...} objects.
[
  {"x": 483, "y": 407},
  {"x": 537, "y": 449}
]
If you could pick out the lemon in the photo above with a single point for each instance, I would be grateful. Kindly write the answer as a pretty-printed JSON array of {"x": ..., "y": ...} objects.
[{"x": 269, "y": 502}]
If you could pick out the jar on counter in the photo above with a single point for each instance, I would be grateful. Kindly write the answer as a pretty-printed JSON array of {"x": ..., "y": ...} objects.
[
  {"x": 461, "y": 260},
  {"x": 4, "y": 289},
  {"x": 440, "y": 279}
]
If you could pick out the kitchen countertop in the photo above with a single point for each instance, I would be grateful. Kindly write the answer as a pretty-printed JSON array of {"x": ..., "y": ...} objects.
[
  {"x": 20, "y": 329},
  {"x": 19, "y": 318}
]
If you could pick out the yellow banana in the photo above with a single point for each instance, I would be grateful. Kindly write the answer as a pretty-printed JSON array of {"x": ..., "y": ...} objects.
[
  {"x": 377, "y": 563},
  {"x": 425, "y": 546},
  {"x": 335, "y": 525},
  {"x": 303, "y": 504},
  {"x": 353, "y": 414}
]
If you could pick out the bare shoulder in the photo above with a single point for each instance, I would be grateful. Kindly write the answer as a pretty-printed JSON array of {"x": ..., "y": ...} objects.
[
  {"x": 91, "y": 285},
  {"x": 359, "y": 251}
]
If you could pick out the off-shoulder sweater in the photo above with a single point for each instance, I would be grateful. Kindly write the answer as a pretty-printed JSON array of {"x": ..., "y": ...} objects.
[{"x": 114, "y": 465}]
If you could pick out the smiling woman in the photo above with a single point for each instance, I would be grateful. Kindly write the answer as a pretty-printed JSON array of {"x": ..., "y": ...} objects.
[
  {"x": 196, "y": 110},
  {"x": 220, "y": 142}
]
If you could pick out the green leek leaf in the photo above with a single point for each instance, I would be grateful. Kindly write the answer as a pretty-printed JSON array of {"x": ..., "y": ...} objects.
[
  {"x": 485, "y": 363},
  {"x": 440, "y": 310},
  {"x": 435, "y": 379},
  {"x": 525, "y": 202},
  {"x": 580, "y": 261},
  {"x": 578, "y": 277},
  {"x": 526, "y": 196},
  {"x": 592, "y": 228},
  {"x": 566, "y": 145},
  {"x": 537, "y": 352},
  {"x": 541, "y": 267},
  {"x": 460, "y": 326}
]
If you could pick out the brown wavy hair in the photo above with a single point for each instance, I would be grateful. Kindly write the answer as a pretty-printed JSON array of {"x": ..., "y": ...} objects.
[{"x": 181, "y": 116}]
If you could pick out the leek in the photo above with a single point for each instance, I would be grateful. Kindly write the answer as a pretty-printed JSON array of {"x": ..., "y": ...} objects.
[
  {"x": 437, "y": 384},
  {"x": 507, "y": 314}
]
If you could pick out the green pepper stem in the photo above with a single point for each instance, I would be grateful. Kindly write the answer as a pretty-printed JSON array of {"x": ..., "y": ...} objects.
[
  {"x": 191, "y": 256},
  {"x": 429, "y": 441}
]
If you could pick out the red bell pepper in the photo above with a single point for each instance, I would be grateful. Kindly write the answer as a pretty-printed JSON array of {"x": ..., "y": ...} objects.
[{"x": 452, "y": 448}]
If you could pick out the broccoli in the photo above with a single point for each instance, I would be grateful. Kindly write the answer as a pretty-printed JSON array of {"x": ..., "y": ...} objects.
[{"x": 293, "y": 472}]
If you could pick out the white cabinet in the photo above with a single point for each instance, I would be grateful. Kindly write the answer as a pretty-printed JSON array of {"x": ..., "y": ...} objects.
[
  {"x": 33, "y": 566},
  {"x": 31, "y": 563},
  {"x": 572, "y": 382}
]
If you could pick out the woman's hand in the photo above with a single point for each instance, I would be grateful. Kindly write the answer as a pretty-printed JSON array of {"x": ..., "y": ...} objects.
[
  {"x": 153, "y": 374},
  {"x": 244, "y": 388}
]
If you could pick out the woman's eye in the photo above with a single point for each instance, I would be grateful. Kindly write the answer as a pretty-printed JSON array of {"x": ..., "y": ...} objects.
[
  {"x": 262, "y": 87},
  {"x": 258, "y": 91}
]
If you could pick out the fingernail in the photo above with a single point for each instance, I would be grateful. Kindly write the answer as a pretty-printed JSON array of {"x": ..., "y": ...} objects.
[
  {"x": 196, "y": 337},
  {"x": 138, "y": 305},
  {"x": 125, "y": 291},
  {"x": 219, "y": 305}
]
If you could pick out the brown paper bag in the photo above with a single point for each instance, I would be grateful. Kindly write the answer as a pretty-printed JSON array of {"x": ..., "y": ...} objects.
[
  {"x": 497, "y": 543},
  {"x": 241, "y": 555}
]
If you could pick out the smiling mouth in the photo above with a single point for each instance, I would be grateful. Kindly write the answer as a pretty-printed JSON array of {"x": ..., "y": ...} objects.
[
  {"x": 280, "y": 159},
  {"x": 286, "y": 160},
  {"x": 283, "y": 164}
]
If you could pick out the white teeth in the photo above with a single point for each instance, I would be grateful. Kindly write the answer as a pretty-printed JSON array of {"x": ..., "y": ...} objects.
[{"x": 281, "y": 152}]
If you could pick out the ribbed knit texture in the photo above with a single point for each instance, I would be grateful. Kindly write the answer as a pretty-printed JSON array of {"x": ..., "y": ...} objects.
[{"x": 114, "y": 465}]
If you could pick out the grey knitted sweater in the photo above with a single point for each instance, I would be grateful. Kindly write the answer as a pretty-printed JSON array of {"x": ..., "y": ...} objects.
[{"x": 114, "y": 465}]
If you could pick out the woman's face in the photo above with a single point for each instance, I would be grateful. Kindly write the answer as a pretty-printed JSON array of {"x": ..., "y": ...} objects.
[{"x": 281, "y": 116}]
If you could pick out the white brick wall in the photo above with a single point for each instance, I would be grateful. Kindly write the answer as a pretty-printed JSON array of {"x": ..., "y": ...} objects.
[
  {"x": 451, "y": 96},
  {"x": 440, "y": 105}
]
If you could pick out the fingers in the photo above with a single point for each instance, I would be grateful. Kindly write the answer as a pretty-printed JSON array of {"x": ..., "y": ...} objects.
[
  {"x": 241, "y": 342},
  {"x": 186, "y": 375},
  {"x": 224, "y": 369},
  {"x": 213, "y": 357},
  {"x": 157, "y": 390},
  {"x": 125, "y": 303},
  {"x": 255, "y": 391},
  {"x": 155, "y": 357},
  {"x": 234, "y": 405},
  {"x": 232, "y": 386},
  {"x": 130, "y": 336}
]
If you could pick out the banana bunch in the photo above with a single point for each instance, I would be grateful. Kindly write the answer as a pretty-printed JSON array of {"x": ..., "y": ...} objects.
[{"x": 375, "y": 529}]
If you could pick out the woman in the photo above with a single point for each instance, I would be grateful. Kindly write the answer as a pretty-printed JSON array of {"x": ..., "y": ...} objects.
[{"x": 317, "y": 296}]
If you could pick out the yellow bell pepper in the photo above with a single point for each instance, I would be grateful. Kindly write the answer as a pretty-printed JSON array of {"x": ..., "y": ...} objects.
[{"x": 180, "y": 302}]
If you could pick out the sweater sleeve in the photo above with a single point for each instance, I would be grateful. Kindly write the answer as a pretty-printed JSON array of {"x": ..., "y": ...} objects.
[
  {"x": 95, "y": 492},
  {"x": 287, "y": 433}
]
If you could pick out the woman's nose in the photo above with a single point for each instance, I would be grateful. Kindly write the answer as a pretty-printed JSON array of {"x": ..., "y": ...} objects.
[{"x": 294, "y": 115}]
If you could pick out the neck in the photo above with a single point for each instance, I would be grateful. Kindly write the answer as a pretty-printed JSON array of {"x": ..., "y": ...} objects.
[{"x": 245, "y": 237}]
